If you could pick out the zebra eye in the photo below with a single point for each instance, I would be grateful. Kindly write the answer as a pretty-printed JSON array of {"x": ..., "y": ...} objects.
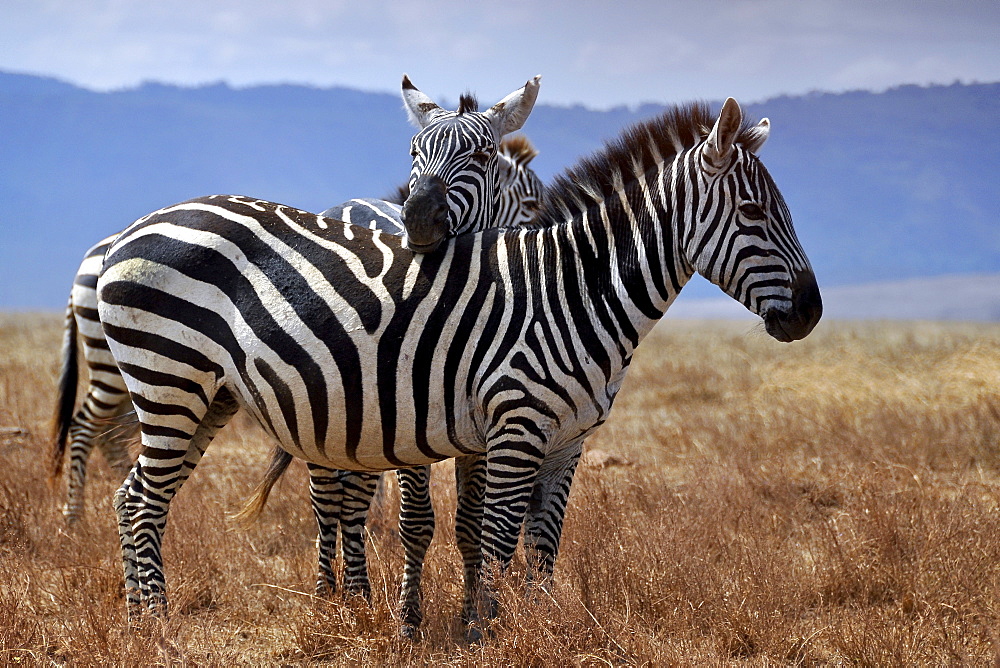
[
  {"x": 481, "y": 156},
  {"x": 752, "y": 211}
]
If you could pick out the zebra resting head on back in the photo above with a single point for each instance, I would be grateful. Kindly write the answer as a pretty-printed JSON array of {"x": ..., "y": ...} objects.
[
  {"x": 355, "y": 353},
  {"x": 454, "y": 181},
  {"x": 519, "y": 198}
]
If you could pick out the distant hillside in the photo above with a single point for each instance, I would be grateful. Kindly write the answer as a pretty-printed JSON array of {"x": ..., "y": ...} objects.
[{"x": 884, "y": 186}]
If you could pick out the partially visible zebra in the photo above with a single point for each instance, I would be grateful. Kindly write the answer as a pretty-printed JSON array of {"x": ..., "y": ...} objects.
[
  {"x": 350, "y": 492},
  {"x": 512, "y": 191},
  {"x": 106, "y": 395},
  {"x": 356, "y": 354},
  {"x": 519, "y": 190}
]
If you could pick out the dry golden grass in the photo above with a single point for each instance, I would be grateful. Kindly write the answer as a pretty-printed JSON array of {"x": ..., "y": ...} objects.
[{"x": 834, "y": 501}]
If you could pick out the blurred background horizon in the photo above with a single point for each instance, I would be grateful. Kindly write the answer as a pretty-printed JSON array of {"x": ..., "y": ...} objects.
[{"x": 884, "y": 115}]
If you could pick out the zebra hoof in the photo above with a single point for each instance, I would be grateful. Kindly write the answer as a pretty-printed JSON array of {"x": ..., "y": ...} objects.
[
  {"x": 359, "y": 591},
  {"x": 71, "y": 515},
  {"x": 409, "y": 632},
  {"x": 475, "y": 634}
]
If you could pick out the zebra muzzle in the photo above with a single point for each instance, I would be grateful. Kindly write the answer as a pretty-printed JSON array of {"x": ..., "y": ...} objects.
[
  {"x": 425, "y": 214},
  {"x": 806, "y": 310}
]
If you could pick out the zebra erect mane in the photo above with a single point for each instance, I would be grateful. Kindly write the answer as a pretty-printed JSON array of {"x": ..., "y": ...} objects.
[
  {"x": 518, "y": 149},
  {"x": 623, "y": 160},
  {"x": 467, "y": 103}
]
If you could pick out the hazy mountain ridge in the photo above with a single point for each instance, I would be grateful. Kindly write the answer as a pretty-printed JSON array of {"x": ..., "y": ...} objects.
[{"x": 885, "y": 186}]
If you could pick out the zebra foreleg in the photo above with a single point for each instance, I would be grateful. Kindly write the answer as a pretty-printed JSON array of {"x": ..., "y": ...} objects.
[
  {"x": 546, "y": 512},
  {"x": 416, "y": 529},
  {"x": 470, "y": 484},
  {"x": 326, "y": 492},
  {"x": 358, "y": 490},
  {"x": 511, "y": 469}
]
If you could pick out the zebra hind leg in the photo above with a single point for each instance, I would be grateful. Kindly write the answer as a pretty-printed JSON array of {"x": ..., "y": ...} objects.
[
  {"x": 81, "y": 444},
  {"x": 416, "y": 529},
  {"x": 120, "y": 503},
  {"x": 89, "y": 426},
  {"x": 168, "y": 459}
]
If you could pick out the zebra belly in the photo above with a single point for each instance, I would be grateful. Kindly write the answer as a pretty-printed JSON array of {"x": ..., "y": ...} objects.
[{"x": 353, "y": 401}]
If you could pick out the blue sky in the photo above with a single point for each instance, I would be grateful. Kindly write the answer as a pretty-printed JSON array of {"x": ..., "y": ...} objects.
[{"x": 599, "y": 54}]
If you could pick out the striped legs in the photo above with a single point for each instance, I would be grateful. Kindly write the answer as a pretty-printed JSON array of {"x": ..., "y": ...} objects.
[
  {"x": 107, "y": 397},
  {"x": 416, "y": 529},
  {"x": 540, "y": 510},
  {"x": 546, "y": 512},
  {"x": 511, "y": 470},
  {"x": 91, "y": 424},
  {"x": 141, "y": 503},
  {"x": 341, "y": 498},
  {"x": 470, "y": 483}
]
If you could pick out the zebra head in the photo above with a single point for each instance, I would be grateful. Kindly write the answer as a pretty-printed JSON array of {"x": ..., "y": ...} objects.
[
  {"x": 743, "y": 239},
  {"x": 455, "y": 178},
  {"x": 520, "y": 188}
]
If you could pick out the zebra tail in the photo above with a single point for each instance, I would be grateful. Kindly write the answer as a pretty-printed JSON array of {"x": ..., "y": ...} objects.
[
  {"x": 255, "y": 504},
  {"x": 66, "y": 397}
]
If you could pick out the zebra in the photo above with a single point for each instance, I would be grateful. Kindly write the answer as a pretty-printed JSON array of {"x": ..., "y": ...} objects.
[
  {"x": 519, "y": 189},
  {"x": 106, "y": 395},
  {"x": 509, "y": 193},
  {"x": 350, "y": 492},
  {"x": 354, "y": 353}
]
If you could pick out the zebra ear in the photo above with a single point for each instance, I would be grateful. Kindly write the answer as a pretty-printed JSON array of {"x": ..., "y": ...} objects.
[
  {"x": 758, "y": 135},
  {"x": 510, "y": 113},
  {"x": 420, "y": 109},
  {"x": 719, "y": 145}
]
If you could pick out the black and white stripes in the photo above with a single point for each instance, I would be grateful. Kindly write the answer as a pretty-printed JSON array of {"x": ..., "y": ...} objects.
[{"x": 354, "y": 353}]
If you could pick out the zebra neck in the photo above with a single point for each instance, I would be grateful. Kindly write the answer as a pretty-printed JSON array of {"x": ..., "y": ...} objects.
[{"x": 623, "y": 256}]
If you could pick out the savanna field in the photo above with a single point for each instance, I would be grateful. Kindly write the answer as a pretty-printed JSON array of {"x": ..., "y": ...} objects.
[{"x": 834, "y": 501}]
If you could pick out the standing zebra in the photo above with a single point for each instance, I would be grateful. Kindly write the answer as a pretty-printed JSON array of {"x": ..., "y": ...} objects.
[
  {"x": 520, "y": 191},
  {"x": 342, "y": 498},
  {"x": 355, "y": 354},
  {"x": 106, "y": 395},
  {"x": 518, "y": 187}
]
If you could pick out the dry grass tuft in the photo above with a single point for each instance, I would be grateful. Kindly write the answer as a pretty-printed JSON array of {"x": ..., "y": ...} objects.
[{"x": 834, "y": 501}]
